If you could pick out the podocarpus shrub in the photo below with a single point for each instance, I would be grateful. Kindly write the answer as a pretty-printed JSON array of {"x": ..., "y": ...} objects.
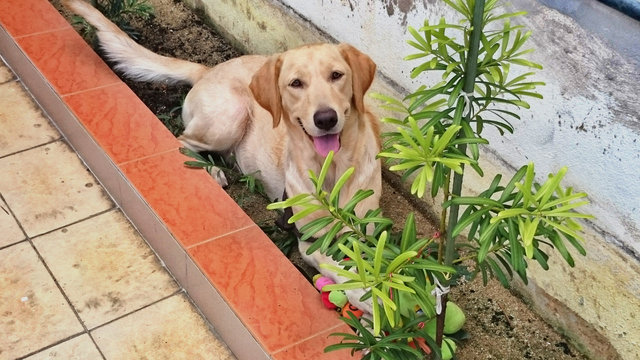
[{"x": 509, "y": 226}]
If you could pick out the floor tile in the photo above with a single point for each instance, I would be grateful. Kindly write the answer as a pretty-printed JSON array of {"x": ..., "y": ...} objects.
[
  {"x": 314, "y": 348},
  {"x": 23, "y": 17},
  {"x": 5, "y": 74},
  {"x": 240, "y": 264},
  {"x": 33, "y": 312},
  {"x": 9, "y": 229},
  {"x": 121, "y": 123},
  {"x": 193, "y": 206},
  {"x": 23, "y": 123},
  {"x": 67, "y": 61},
  {"x": 156, "y": 332},
  {"x": 80, "y": 347},
  {"x": 48, "y": 187},
  {"x": 104, "y": 267}
]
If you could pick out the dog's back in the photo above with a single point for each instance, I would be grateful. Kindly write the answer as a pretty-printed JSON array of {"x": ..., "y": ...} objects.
[{"x": 132, "y": 59}]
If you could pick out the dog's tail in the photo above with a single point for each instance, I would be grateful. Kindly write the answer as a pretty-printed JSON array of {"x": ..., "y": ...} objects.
[{"x": 131, "y": 58}]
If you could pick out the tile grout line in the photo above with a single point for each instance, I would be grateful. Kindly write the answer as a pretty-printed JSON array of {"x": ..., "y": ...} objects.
[
  {"x": 77, "y": 92},
  {"x": 177, "y": 292},
  {"x": 86, "y": 330},
  {"x": 291, "y": 345},
  {"x": 116, "y": 207},
  {"x": 99, "y": 213},
  {"x": 53, "y": 345},
  {"x": 55, "y": 280},
  {"x": 38, "y": 71},
  {"x": 61, "y": 138},
  {"x": 39, "y": 32},
  {"x": 29, "y": 239},
  {"x": 186, "y": 248},
  {"x": 127, "y": 162}
]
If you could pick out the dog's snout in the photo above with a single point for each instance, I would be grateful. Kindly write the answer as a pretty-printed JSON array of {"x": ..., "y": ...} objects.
[{"x": 325, "y": 119}]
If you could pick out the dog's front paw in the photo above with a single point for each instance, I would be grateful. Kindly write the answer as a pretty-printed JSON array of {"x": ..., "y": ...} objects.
[
  {"x": 219, "y": 176},
  {"x": 317, "y": 258}
]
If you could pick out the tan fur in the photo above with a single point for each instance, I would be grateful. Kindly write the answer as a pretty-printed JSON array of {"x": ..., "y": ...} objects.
[{"x": 247, "y": 106}]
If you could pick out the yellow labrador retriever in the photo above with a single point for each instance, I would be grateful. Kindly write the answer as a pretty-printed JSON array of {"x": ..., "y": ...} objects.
[{"x": 279, "y": 115}]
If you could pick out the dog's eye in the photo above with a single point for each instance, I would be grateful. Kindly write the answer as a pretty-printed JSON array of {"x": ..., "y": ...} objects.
[
  {"x": 296, "y": 83},
  {"x": 336, "y": 75}
]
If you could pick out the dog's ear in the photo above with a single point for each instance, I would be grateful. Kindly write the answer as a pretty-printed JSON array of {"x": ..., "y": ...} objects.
[
  {"x": 363, "y": 70},
  {"x": 264, "y": 87}
]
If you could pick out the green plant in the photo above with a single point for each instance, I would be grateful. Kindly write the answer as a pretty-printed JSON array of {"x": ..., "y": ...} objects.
[
  {"x": 253, "y": 183},
  {"x": 119, "y": 12},
  {"x": 207, "y": 161},
  {"x": 172, "y": 120},
  {"x": 286, "y": 241},
  {"x": 438, "y": 135},
  {"x": 216, "y": 162}
]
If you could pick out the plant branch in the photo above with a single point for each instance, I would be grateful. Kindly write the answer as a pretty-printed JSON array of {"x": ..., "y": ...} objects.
[{"x": 468, "y": 87}]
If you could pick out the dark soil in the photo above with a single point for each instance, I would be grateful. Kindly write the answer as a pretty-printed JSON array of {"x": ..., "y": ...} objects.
[{"x": 500, "y": 324}]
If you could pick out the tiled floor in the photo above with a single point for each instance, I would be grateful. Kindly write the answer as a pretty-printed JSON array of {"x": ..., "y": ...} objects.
[
  {"x": 76, "y": 279},
  {"x": 253, "y": 296}
]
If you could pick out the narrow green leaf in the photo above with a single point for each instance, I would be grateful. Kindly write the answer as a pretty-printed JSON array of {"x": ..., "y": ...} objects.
[
  {"x": 376, "y": 314},
  {"x": 524, "y": 62},
  {"x": 463, "y": 222},
  {"x": 297, "y": 200},
  {"x": 497, "y": 271},
  {"x": 399, "y": 260},
  {"x": 308, "y": 210},
  {"x": 359, "y": 196},
  {"x": 314, "y": 226},
  {"x": 329, "y": 237},
  {"x": 377, "y": 260},
  {"x": 408, "y": 232},
  {"x": 387, "y": 99},
  {"x": 514, "y": 212},
  {"x": 473, "y": 200},
  {"x": 416, "y": 35},
  {"x": 399, "y": 286},
  {"x": 485, "y": 241},
  {"x": 323, "y": 171},
  {"x": 344, "y": 273},
  {"x": 333, "y": 197}
]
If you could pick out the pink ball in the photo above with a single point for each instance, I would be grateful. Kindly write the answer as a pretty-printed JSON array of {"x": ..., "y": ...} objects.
[{"x": 322, "y": 281}]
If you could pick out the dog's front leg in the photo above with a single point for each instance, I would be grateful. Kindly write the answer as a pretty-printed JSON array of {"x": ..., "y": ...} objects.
[{"x": 368, "y": 178}]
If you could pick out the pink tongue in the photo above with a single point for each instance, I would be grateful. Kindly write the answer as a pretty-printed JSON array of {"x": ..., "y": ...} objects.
[{"x": 326, "y": 143}]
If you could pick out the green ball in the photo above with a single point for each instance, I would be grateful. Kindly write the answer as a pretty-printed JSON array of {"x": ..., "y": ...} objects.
[
  {"x": 338, "y": 298},
  {"x": 454, "y": 319},
  {"x": 448, "y": 348}
]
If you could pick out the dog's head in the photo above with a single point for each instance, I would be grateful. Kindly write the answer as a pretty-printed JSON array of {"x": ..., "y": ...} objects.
[{"x": 315, "y": 87}]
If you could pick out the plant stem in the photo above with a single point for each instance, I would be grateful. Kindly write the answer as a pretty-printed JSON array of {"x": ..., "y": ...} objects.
[
  {"x": 468, "y": 87},
  {"x": 443, "y": 218},
  {"x": 495, "y": 248}
]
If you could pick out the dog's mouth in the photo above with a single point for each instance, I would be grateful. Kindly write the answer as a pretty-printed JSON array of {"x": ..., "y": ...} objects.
[
  {"x": 326, "y": 143},
  {"x": 323, "y": 144}
]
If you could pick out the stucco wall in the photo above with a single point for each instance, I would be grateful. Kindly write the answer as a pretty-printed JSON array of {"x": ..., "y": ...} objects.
[{"x": 589, "y": 120}]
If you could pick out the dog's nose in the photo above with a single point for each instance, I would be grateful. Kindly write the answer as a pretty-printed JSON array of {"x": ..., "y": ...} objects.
[{"x": 325, "y": 119}]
